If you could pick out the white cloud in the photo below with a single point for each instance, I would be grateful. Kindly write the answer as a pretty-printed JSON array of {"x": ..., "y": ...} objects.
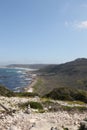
[
  {"x": 76, "y": 24},
  {"x": 81, "y": 25}
]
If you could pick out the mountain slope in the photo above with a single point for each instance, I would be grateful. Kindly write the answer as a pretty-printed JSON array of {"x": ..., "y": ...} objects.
[
  {"x": 5, "y": 91},
  {"x": 71, "y": 74},
  {"x": 67, "y": 93}
]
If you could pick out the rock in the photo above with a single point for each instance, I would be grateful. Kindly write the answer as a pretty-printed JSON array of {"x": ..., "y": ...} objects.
[
  {"x": 85, "y": 119},
  {"x": 52, "y": 128},
  {"x": 56, "y": 128},
  {"x": 14, "y": 128},
  {"x": 45, "y": 109},
  {"x": 28, "y": 110},
  {"x": 83, "y": 125},
  {"x": 34, "y": 120}
]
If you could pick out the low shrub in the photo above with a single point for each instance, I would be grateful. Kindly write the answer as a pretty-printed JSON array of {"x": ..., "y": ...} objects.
[
  {"x": 6, "y": 92},
  {"x": 34, "y": 105},
  {"x": 25, "y": 94},
  {"x": 67, "y": 94},
  {"x": 77, "y": 108}
]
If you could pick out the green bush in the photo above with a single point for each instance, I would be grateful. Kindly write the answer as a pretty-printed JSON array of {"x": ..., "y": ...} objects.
[
  {"x": 34, "y": 105},
  {"x": 26, "y": 94},
  {"x": 66, "y": 93},
  {"x": 65, "y": 128},
  {"x": 6, "y": 92}
]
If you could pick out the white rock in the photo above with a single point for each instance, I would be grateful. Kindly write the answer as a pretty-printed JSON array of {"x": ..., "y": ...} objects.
[{"x": 14, "y": 128}]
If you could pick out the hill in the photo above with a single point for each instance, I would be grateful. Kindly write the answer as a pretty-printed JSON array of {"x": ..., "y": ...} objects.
[
  {"x": 71, "y": 74},
  {"x": 68, "y": 94},
  {"x": 5, "y": 91},
  {"x": 30, "y": 66}
]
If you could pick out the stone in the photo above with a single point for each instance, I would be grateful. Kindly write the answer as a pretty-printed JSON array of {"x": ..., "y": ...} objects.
[
  {"x": 28, "y": 110},
  {"x": 52, "y": 128},
  {"x": 83, "y": 125},
  {"x": 13, "y": 128}
]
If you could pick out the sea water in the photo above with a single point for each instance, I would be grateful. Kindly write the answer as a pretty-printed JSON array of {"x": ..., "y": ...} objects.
[{"x": 14, "y": 79}]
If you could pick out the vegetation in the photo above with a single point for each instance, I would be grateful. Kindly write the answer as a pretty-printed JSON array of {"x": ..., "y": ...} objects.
[
  {"x": 75, "y": 102},
  {"x": 8, "y": 93},
  {"x": 38, "y": 87},
  {"x": 25, "y": 94},
  {"x": 67, "y": 94},
  {"x": 72, "y": 74},
  {"x": 65, "y": 129},
  {"x": 34, "y": 105},
  {"x": 5, "y": 92},
  {"x": 53, "y": 79},
  {"x": 74, "y": 108}
]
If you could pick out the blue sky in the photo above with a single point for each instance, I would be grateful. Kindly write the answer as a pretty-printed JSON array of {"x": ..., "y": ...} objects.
[{"x": 42, "y": 31}]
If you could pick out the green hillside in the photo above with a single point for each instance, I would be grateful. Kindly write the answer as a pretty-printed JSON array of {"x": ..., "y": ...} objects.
[
  {"x": 71, "y": 74},
  {"x": 5, "y": 91},
  {"x": 67, "y": 93}
]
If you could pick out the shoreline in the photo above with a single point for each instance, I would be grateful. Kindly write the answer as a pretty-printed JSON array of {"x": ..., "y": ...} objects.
[
  {"x": 17, "y": 79},
  {"x": 29, "y": 88}
]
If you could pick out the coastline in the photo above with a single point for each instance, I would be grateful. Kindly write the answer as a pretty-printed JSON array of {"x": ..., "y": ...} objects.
[
  {"x": 29, "y": 88},
  {"x": 17, "y": 79}
]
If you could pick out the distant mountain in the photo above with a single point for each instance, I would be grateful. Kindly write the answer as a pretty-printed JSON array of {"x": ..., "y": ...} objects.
[
  {"x": 30, "y": 66},
  {"x": 71, "y": 74},
  {"x": 69, "y": 68}
]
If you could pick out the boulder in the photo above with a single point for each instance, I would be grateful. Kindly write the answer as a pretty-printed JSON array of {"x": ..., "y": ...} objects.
[{"x": 83, "y": 125}]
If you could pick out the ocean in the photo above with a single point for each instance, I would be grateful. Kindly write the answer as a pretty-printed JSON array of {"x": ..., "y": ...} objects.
[{"x": 15, "y": 78}]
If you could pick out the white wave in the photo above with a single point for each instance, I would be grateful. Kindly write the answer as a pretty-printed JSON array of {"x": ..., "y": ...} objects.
[
  {"x": 27, "y": 69},
  {"x": 29, "y": 79},
  {"x": 19, "y": 71}
]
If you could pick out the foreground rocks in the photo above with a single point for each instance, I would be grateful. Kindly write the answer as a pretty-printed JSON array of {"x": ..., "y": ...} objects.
[
  {"x": 42, "y": 121},
  {"x": 21, "y": 120},
  {"x": 83, "y": 125}
]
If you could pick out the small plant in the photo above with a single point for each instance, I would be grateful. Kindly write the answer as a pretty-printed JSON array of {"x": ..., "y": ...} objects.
[
  {"x": 78, "y": 108},
  {"x": 65, "y": 128},
  {"x": 75, "y": 102},
  {"x": 34, "y": 105}
]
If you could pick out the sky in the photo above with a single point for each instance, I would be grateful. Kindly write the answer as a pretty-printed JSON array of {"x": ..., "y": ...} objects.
[{"x": 42, "y": 31}]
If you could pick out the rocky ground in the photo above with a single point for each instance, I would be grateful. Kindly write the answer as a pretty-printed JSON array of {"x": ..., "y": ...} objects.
[{"x": 19, "y": 119}]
